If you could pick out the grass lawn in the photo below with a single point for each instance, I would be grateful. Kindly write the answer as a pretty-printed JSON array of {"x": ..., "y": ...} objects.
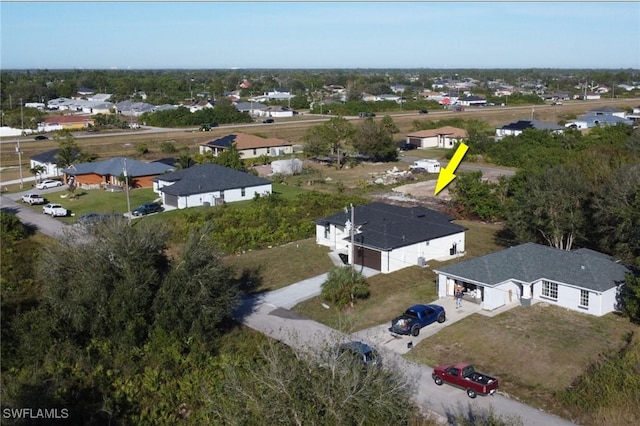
[
  {"x": 534, "y": 351},
  {"x": 278, "y": 267}
]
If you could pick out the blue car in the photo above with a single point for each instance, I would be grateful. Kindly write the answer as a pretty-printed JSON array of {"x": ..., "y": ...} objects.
[{"x": 416, "y": 317}]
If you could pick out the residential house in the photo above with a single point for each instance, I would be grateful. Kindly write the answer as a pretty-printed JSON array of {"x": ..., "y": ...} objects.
[
  {"x": 49, "y": 161},
  {"x": 255, "y": 109},
  {"x": 442, "y": 137},
  {"x": 388, "y": 238},
  {"x": 108, "y": 172},
  {"x": 603, "y": 116},
  {"x": 249, "y": 146},
  {"x": 472, "y": 100},
  {"x": 517, "y": 127},
  {"x": 65, "y": 122},
  {"x": 277, "y": 111},
  {"x": 208, "y": 185},
  {"x": 199, "y": 105},
  {"x": 581, "y": 280}
]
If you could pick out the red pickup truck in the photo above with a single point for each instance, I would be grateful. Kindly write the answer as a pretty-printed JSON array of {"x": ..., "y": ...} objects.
[{"x": 466, "y": 377}]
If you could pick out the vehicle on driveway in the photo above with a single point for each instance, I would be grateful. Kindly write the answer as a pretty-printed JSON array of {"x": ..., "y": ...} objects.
[
  {"x": 32, "y": 199},
  {"x": 416, "y": 317},
  {"x": 464, "y": 376},
  {"x": 55, "y": 210},
  {"x": 359, "y": 353},
  {"x": 147, "y": 208},
  {"x": 49, "y": 183}
]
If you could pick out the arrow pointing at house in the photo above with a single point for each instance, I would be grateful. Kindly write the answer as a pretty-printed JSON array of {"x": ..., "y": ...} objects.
[{"x": 446, "y": 175}]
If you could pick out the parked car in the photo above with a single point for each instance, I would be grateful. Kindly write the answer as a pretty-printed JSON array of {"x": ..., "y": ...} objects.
[
  {"x": 41, "y": 138},
  {"x": 49, "y": 183},
  {"x": 32, "y": 199},
  {"x": 360, "y": 353},
  {"x": 416, "y": 317},
  {"x": 55, "y": 210},
  {"x": 147, "y": 208},
  {"x": 269, "y": 121},
  {"x": 464, "y": 376}
]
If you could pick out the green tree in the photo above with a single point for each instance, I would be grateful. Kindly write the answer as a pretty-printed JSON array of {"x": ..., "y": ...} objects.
[
  {"x": 68, "y": 149},
  {"x": 375, "y": 140},
  {"x": 549, "y": 206},
  {"x": 231, "y": 158},
  {"x": 37, "y": 171},
  {"x": 344, "y": 286},
  {"x": 473, "y": 196},
  {"x": 388, "y": 125}
]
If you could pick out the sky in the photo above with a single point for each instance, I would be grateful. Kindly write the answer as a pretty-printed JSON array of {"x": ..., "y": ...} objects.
[{"x": 289, "y": 34}]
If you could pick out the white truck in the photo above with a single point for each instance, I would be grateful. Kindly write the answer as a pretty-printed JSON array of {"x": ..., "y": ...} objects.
[
  {"x": 32, "y": 199},
  {"x": 55, "y": 210},
  {"x": 428, "y": 166}
]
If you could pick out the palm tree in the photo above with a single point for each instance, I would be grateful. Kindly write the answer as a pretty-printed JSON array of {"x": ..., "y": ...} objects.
[{"x": 37, "y": 171}]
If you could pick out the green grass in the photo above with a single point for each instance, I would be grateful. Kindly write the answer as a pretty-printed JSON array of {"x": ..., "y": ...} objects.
[
  {"x": 534, "y": 351},
  {"x": 280, "y": 266}
]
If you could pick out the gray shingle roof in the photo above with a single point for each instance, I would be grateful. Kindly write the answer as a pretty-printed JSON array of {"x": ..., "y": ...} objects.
[
  {"x": 387, "y": 226},
  {"x": 531, "y": 124},
  {"x": 115, "y": 166},
  {"x": 531, "y": 262},
  {"x": 204, "y": 178}
]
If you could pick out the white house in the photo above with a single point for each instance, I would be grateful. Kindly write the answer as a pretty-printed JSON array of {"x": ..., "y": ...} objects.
[
  {"x": 388, "y": 238},
  {"x": 48, "y": 161},
  {"x": 249, "y": 146},
  {"x": 208, "y": 185},
  {"x": 582, "y": 280},
  {"x": 443, "y": 137},
  {"x": 517, "y": 127}
]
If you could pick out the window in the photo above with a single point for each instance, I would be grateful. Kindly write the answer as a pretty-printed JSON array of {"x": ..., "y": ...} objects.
[
  {"x": 327, "y": 231},
  {"x": 584, "y": 299},
  {"x": 243, "y": 192},
  {"x": 255, "y": 151},
  {"x": 222, "y": 194},
  {"x": 550, "y": 290}
]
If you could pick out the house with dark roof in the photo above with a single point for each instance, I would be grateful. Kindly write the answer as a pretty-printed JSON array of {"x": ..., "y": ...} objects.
[
  {"x": 49, "y": 161},
  {"x": 101, "y": 173},
  {"x": 442, "y": 137},
  {"x": 208, "y": 185},
  {"x": 582, "y": 280},
  {"x": 249, "y": 146},
  {"x": 388, "y": 238},
  {"x": 517, "y": 127}
]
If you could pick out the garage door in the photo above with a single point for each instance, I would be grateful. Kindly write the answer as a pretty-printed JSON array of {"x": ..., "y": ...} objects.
[
  {"x": 171, "y": 200},
  {"x": 369, "y": 258}
]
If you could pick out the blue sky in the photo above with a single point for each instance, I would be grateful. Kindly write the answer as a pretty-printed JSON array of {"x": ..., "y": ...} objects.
[{"x": 195, "y": 35}]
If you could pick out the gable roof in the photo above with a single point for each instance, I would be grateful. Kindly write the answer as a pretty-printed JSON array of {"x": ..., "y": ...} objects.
[
  {"x": 450, "y": 131},
  {"x": 387, "y": 227},
  {"x": 531, "y": 124},
  {"x": 50, "y": 156},
  {"x": 204, "y": 178},
  {"x": 115, "y": 167},
  {"x": 244, "y": 141},
  {"x": 531, "y": 262}
]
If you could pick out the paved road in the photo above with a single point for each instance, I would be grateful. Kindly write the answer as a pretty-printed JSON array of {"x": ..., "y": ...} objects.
[
  {"x": 41, "y": 222},
  {"x": 261, "y": 314}
]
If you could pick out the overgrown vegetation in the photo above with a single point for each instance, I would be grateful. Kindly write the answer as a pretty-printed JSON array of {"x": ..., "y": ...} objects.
[{"x": 344, "y": 286}]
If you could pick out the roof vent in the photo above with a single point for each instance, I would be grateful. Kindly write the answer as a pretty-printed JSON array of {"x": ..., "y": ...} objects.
[{"x": 581, "y": 266}]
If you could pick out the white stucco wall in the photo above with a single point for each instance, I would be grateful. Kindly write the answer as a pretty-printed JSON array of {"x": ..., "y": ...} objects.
[
  {"x": 430, "y": 250},
  {"x": 335, "y": 239},
  {"x": 229, "y": 196},
  {"x": 51, "y": 169}
]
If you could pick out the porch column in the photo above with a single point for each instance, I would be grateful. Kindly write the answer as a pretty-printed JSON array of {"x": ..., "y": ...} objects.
[{"x": 525, "y": 300}]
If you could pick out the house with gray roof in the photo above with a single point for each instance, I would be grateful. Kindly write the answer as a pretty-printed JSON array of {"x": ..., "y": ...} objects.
[
  {"x": 517, "y": 127},
  {"x": 582, "y": 280},
  {"x": 388, "y": 238},
  {"x": 603, "y": 116},
  {"x": 49, "y": 161},
  {"x": 208, "y": 185},
  {"x": 98, "y": 174}
]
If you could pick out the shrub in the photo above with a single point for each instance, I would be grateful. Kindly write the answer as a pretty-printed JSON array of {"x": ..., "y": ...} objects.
[{"x": 345, "y": 285}]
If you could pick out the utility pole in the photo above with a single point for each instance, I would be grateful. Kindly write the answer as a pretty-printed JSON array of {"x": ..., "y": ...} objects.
[
  {"x": 126, "y": 182},
  {"x": 18, "y": 147},
  {"x": 353, "y": 234}
]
